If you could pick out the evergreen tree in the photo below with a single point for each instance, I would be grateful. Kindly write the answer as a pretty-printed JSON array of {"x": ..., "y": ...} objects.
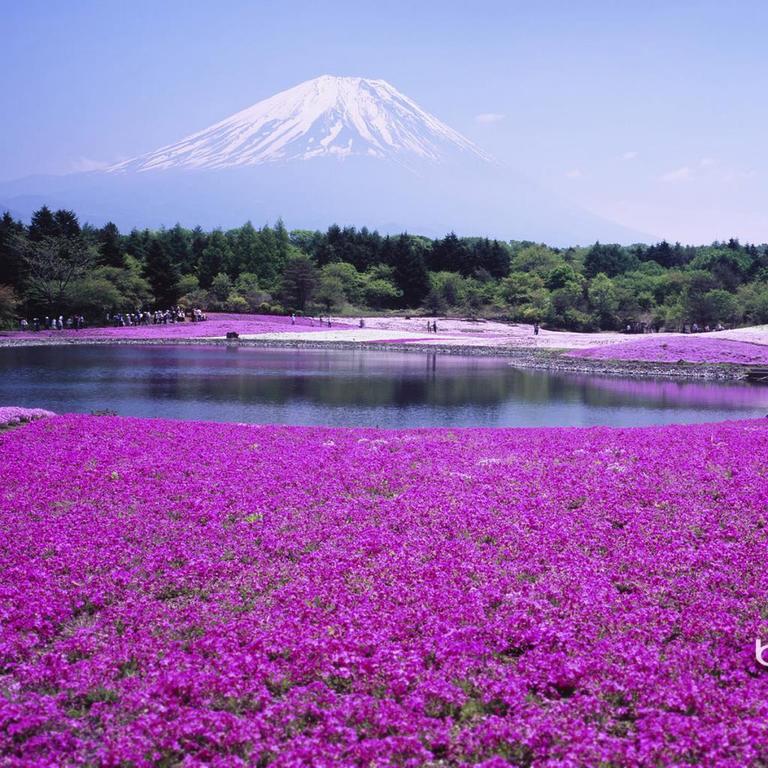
[
  {"x": 611, "y": 259},
  {"x": 177, "y": 242},
  {"x": 282, "y": 241},
  {"x": 271, "y": 254},
  {"x": 11, "y": 234},
  {"x": 215, "y": 256},
  {"x": 110, "y": 247},
  {"x": 299, "y": 280},
  {"x": 493, "y": 258},
  {"x": 66, "y": 224},
  {"x": 137, "y": 244},
  {"x": 410, "y": 271},
  {"x": 327, "y": 251},
  {"x": 450, "y": 255},
  {"x": 162, "y": 275},
  {"x": 199, "y": 243},
  {"x": 245, "y": 251},
  {"x": 42, "y": 225},
  {"x": 367, "y": 250}
]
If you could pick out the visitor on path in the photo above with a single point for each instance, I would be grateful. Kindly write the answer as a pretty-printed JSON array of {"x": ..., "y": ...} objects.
[
  {"x": 293, "y": 318},
  {"x": 535, "y": 329},
  {"x": 434, "y": 326}
]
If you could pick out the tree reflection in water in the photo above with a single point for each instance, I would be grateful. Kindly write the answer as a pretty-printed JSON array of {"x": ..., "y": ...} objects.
[{"x": 349, "y": 388}]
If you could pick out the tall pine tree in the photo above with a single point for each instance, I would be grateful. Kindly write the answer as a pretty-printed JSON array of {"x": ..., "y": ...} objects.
[
  {"x": 110, "y": 246},
  {"x": 410, "y": 271},
  {"x": 214, "y": 259},
  {"x": 42, "y": 225},
  {"x": 10, "y": 252},
  {"x": 162, "y": 275}
]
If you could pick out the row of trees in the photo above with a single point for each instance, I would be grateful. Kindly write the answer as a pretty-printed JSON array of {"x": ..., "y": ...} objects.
[{"x": 54, "y": 265}]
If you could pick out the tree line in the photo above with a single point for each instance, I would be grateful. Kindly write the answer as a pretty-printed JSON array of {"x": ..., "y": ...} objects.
[{"x": 54, "y": 265}]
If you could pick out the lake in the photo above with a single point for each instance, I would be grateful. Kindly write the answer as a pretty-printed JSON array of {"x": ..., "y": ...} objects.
[{"x": 351, "y": 388}]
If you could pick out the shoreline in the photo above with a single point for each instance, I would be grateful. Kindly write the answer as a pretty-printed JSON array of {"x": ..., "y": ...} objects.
[{"x": 525, "y": 358}]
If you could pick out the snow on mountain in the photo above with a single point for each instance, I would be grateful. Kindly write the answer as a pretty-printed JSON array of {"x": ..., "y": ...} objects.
[
  {"x": 403, "y": 170},
  {"x": 325, "y": 117}
]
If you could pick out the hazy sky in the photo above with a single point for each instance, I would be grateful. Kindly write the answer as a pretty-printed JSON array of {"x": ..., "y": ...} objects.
[{"x": 649, "y": 113}]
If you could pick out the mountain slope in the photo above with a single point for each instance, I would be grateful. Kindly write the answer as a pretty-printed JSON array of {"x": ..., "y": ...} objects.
[
  {"x": 334, "y": 149},
  {"x": 325, "y": 117}
]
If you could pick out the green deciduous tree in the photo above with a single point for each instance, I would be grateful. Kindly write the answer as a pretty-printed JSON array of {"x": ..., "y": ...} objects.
[
  {"x": 330, "y": 291},
  {"x": 221, "y": 286},
  {"x": 9, "y": 302},
  {"x": 51, "y": 265},
  {"x": 603, "y": 299},
  {"x": 351, "y": 282}
]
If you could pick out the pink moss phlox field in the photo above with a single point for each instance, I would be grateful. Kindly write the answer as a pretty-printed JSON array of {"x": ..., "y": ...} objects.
[
  {"x": 673, "y": 349},
  {"x": 11, "y": 415},
  {"x": 197, "y": 594},
  {"x": 217, "y": 325}
]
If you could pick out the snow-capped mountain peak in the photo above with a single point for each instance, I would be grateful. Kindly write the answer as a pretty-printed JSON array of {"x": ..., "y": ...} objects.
[{"x": 325, "y": 117}]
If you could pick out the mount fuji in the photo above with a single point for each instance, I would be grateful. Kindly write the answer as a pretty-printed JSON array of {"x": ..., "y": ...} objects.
[
  {"x": 335, "y": 117},
  {"x": 345, "y": 150}
]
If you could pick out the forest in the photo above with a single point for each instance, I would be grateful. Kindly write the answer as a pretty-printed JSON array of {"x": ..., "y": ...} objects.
[{"x": 56, "y": 265}]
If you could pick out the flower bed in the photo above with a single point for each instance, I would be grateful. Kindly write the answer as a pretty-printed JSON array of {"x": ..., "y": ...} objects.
[
  {"x": 231, "y": 595},
  {"x": 11, "y": 416},
  {"x": 217, "y": 325},
  {"x": 675, "y": 349}
]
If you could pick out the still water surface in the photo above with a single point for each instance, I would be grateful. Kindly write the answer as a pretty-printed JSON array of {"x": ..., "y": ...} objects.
[{"x": 357, "y": 388}]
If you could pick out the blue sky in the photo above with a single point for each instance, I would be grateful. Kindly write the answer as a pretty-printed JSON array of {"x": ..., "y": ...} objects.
[{"x": 652, "y": 114}]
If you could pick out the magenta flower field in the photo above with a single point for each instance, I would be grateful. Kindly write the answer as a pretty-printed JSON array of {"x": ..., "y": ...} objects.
[
  {"x": 675, "y": 349},
  {"x": 217, "y": 325},
  {"x": 198, "y": 594}
]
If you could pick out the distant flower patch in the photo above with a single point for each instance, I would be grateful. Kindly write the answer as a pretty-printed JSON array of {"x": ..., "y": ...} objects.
[
  {"x": 207, "y": 594},
  {"x": 11, "y": 416},
  {"x": 217, "y": 325},
  {"x": 674, "y": 349}
]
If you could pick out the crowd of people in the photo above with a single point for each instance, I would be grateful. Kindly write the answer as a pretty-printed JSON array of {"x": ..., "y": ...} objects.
[
  {"x": 116, "y": 319},
  {"x": 706, "y": 328},
  {"x": 687, "y": 327},
  {"x": 158, "y": 317},
  {"x": 53, "y": 323}
]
